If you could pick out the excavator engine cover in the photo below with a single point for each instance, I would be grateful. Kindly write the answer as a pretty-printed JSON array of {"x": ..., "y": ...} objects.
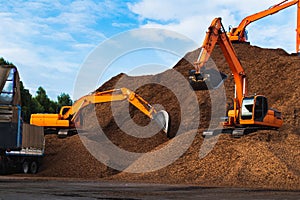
[{"x": 207, "y": 80}]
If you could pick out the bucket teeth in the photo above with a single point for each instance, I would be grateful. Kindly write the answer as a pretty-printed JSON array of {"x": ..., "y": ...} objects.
[{"x": 198, "y": 85}]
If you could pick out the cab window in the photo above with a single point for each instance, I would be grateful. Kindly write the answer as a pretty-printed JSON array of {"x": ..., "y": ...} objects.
[
  {"x": 6, "y": 95},
  {"x": 247, "y": 108}
]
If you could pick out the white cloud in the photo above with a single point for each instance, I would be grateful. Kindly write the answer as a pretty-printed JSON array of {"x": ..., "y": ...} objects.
[
  {"x": 193, "y": 17},
  {"x": 115, "y": 24},
  {"x": 180, "y": 9},
  {"x": 54, "y": 37},
  {"x": 48, "y": 40}
]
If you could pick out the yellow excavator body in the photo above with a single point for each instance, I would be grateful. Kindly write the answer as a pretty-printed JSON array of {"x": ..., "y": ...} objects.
[{"x": 69, "y": 116}]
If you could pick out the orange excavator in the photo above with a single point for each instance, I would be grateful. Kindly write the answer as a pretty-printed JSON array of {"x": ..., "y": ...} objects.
[
  {"x": 69, "y": 117},
  {"x": 249, "y": 112},
  {"x": 238, "y": 34}
]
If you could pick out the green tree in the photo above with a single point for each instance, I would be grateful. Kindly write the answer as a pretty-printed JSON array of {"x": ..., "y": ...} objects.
[
  {"x": 26, "y": 99},
  {"x": 29, "y": 104},
  {"x": 4, "y": 62},
  {"x": 53, "y": 107},
  {"x": 43, "y": 99},
  {"x": 64, "y": 100},
  {"x": 49, "y": 106},
  {"x": 36, "y": 107}
]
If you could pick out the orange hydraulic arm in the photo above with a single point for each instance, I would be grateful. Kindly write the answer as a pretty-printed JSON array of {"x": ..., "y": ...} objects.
[
  {"x": 238, "y": 34},
  {"x": 216, "y": 34},
  {"x": 69, "y": 115},
  {"x": 109, "y": 96}
]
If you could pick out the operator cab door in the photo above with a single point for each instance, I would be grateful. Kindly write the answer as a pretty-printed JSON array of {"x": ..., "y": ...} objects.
[
  {"x": 261, "y": 108},
  {"x": 247, "y": 108},
  {"x": 254, "y": 108}
]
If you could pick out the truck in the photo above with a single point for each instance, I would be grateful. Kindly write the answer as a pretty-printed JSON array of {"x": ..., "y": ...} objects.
[{"x": 22, "y": 145}]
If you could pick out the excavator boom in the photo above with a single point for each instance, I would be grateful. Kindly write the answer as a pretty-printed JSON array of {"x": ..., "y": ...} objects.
[{"x": 212, "y": 78}]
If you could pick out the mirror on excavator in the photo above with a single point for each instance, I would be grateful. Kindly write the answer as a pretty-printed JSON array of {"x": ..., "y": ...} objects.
[{"x": 207, "y": 79}]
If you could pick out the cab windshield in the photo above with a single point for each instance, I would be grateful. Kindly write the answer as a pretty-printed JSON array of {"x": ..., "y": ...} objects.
[
  {"x": 6, "y": 95},
  {"x": 247, "y": 108}
]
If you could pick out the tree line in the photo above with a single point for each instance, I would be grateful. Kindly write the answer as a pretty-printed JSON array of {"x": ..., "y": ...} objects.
[{"x": 41, "y": 103}]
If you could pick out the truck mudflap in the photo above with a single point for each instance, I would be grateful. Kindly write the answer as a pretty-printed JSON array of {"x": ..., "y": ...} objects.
[{"x": 33, "y": 137}]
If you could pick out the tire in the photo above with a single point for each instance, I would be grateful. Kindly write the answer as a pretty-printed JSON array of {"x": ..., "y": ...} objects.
[
  {"x": 3, "y": 168},
  {"x": 34, "y": 167},
  {"x": 25, "y": 167}
]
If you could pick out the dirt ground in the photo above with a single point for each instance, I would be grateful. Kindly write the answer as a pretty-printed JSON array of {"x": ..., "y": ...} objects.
[
  {"x": 44, "y": 189},
  {"x": 265, "y": 159}
]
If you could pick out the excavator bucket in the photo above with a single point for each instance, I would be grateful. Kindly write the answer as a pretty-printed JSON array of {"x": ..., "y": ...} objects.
[
  {"x": 162, "y": 119},
  {"x": 207, "y": 80}
]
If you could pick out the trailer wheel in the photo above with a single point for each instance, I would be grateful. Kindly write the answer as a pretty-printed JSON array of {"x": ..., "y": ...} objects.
[
  {"x": 3, "y": 168},
  {"x": 34, "y": 167},
  {"x": 25, "y": 167}
]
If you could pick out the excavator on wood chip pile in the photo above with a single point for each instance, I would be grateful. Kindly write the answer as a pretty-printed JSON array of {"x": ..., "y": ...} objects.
[
  {"x": 69, "y": 117},
  {"x": 239, "y": 34},
  {"x": 250, "y": 112}
]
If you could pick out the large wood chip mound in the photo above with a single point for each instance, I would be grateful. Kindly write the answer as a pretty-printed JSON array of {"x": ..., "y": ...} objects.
[{"x": 265, "y": 159}]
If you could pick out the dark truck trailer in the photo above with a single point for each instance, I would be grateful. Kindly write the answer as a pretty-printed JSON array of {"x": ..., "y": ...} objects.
[{"x": 21, "y": 145}]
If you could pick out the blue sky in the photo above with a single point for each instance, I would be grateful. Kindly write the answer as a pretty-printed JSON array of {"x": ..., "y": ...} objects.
[{"x": 49, "y": 40}]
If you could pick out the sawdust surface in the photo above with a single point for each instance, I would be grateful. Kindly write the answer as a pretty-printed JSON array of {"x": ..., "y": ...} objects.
[{"x": 265, "y": 159}]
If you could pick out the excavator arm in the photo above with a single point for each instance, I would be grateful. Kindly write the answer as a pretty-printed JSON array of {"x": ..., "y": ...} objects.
[
  {"x": 109, "y": 96},
  {"x": 121, "y": 94},
  {"x": 216, "y": 35},
  {"x": 69, "y": 115},
  {"x": 238, "y": 34}
]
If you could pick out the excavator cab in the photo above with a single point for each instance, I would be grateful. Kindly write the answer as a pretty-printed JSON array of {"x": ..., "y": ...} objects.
[
  {"x": 254, "y": 108},
  {"x": 207, "y": 79},
  {"x": 255, "y": 111}
]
